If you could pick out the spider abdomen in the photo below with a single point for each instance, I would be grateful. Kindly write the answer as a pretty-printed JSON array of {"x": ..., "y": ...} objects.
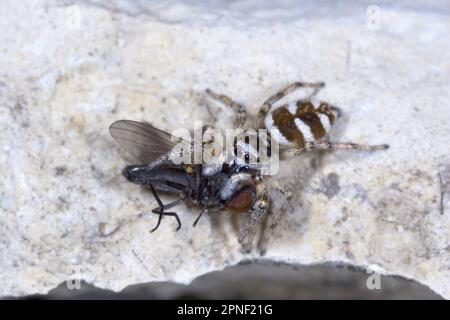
[{"x": 300, "y": 122}]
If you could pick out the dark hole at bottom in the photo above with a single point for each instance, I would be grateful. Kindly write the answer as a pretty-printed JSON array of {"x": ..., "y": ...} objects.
[{"x": 262, "y": 280}]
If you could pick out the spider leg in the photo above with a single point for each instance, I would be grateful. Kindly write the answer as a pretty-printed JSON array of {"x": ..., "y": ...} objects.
[
  {"x": 267, "y": 105},
  {"x": 240, "y": 113},
  {"x": 267, "y": 234},
  {"x": 326, "y": 145},
  {"x": 274, "y": 217},
  {"x": 256, "y": 215},
  {"x": 285, "y": 192}
]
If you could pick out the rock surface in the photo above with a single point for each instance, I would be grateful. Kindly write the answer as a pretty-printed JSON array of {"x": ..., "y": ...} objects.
[{"x": 70, "y": 68}]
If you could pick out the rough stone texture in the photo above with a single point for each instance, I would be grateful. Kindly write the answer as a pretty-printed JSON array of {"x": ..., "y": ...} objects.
[{"x": 65, "y": 77}]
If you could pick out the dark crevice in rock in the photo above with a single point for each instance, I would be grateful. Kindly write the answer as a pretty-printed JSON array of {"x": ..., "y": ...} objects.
[{"x": 251, "y": 280}]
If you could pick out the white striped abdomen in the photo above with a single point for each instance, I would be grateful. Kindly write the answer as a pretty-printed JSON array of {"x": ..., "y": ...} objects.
[{"x": 300, "y": 122}]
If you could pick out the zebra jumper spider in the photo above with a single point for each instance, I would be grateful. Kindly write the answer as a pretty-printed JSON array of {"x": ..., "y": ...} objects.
[{"x": 297, "y": 127}]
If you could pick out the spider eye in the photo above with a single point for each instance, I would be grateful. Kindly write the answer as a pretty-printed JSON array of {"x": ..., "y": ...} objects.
[{"x": 242, "y": 201}]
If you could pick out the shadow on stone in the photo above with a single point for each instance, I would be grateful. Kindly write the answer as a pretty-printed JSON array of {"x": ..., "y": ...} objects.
[{"x": 262, "y": 280}]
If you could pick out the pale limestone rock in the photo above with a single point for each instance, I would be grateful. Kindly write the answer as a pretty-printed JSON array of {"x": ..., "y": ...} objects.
[{"x": 70, "y": 68}]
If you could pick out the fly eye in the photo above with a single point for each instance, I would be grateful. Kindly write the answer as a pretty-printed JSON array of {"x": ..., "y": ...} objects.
[{"x": 242, "y": 201}]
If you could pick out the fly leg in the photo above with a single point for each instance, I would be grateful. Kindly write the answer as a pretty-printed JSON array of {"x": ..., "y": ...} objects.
[
  {"x": 161, "y": 214},
  {"x": 240, "y": 113},
  {"x": 161, "y": 207},
  {"x": 267, "y": 105},
  {"x": 204, "y": 210}
]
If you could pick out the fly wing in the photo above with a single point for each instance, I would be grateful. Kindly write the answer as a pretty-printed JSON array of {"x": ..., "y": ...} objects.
[{"x": 140, "y": 142}]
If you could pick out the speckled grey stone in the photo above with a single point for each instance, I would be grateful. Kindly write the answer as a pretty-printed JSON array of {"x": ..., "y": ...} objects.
[{"x": 70, "y": 68}]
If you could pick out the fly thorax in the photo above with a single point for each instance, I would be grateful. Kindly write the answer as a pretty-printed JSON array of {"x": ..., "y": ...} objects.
[
  {"x": 234, "y": 183},
  {"x": 213, "y": 165}
]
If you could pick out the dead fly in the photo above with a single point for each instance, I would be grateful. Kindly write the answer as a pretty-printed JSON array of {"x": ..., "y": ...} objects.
[{"x": 237, "y": 185}]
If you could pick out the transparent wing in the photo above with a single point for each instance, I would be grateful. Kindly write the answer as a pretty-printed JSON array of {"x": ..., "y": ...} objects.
[{"x": 140, "y": 142}]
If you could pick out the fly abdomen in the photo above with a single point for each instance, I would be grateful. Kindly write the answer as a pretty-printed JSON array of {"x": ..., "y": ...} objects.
[{"x": 300, "y": 122}]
